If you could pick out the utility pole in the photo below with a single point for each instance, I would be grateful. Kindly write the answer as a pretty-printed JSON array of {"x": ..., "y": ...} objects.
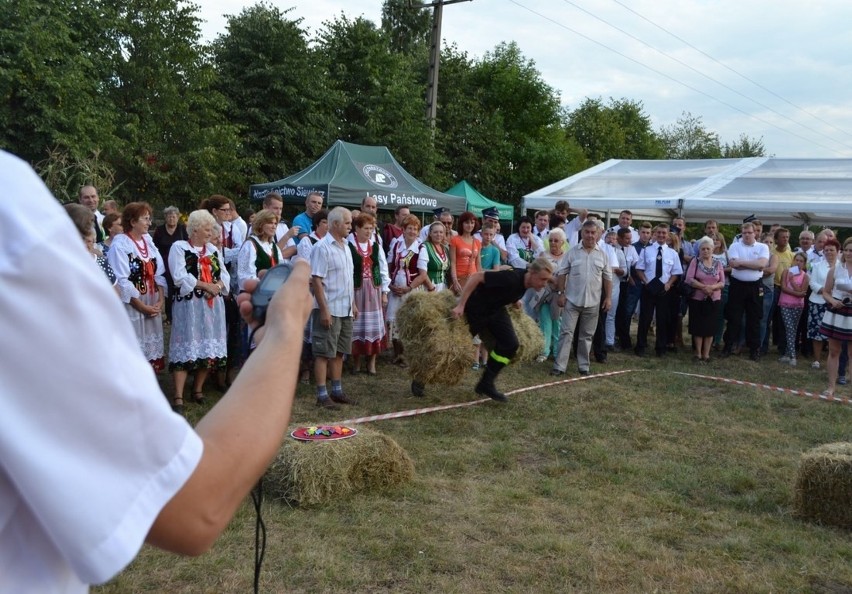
[{"x": 434, "y": 55}]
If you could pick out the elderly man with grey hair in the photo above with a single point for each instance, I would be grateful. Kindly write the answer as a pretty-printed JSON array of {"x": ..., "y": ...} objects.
[{"x": 584, "y": 289}]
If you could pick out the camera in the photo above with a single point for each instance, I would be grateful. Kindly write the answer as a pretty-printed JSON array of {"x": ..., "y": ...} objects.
[{"x": 269, "y": 284}]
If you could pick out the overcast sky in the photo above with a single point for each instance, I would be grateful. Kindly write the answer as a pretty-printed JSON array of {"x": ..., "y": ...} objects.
[{"x": 778, "y": 70}]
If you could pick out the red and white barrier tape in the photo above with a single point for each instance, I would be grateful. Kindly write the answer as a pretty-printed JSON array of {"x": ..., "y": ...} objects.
[
  {"x": 431, "y": 409},
  {"x": 803, "y": 393}
]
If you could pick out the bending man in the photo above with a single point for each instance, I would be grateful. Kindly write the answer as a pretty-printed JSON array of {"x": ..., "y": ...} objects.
[{"x": 484, "y": 300}]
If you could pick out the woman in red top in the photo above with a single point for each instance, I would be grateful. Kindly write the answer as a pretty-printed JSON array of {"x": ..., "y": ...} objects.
[{"x": 465, "y": 252}]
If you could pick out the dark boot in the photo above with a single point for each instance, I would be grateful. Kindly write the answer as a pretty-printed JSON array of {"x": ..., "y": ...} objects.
[
  {"x": 486, "y": 382},
  {"x": 418, "y": 389}
]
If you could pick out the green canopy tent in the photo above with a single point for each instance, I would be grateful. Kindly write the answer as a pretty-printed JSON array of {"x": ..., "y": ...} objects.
[
  {"x": 476, "y": 201},
  {"x": 348, "y": 172}
]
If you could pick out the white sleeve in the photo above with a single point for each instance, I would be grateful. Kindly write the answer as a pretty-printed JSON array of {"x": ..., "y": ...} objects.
[
  {"x": 246, "y": 263},
  {"x": 160, "y": 271},
  {"x": 383, "y": 271},
  {"x": 515, "y": 259},
  {"x": 224, "y": 275},
  {"x": 181, "y": 278},
  {"x": 90, "y": 451},
  {"x": 423, "y": 258},
  {"x": 118, "y": 257}
]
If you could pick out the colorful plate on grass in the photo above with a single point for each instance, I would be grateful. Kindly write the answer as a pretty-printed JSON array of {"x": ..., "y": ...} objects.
[{"x": 323, "y": 433}]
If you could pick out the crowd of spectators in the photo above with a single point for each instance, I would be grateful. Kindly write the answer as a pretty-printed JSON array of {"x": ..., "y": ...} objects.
[{"x": 739, "y": 297}]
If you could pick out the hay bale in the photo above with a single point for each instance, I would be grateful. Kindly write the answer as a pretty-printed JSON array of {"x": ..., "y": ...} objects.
[
  {"x": 529, "y": 335},
  {"x": 823, "y": 491},
  {"x": 312, "y": 473},
  {"x": 438, "y": 348}
]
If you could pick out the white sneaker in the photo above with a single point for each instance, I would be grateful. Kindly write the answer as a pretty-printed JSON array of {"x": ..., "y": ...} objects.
[
  {"x": 793, "y": 362},
  {"x": 541, "y": 359},
  {"x": 784, "y": 359},
  {"x": 815, "y": 365}
]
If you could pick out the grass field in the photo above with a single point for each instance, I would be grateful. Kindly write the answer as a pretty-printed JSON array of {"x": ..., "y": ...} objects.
[{"x": 642, "y": 482}]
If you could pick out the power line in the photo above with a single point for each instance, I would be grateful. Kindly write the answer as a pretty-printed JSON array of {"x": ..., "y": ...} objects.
[
  {"x": 741, "y": 75},
  {"x": 707, "y": 76},
  {"x": 671, "y": 78}
]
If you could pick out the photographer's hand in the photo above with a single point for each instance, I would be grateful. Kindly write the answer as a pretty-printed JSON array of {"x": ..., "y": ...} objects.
[{"x": 243, "y": 431}]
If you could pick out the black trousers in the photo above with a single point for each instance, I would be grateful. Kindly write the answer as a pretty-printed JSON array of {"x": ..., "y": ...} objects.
[
  {"x": 499, "y": 325},
  {"x": 650, "y": 305},
  {"x": 622, "y": 318},
  {"x": 744, "y": 297}
]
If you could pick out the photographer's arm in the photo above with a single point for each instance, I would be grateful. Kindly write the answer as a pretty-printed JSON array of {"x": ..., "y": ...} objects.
[{"x": 243, "y": 432}]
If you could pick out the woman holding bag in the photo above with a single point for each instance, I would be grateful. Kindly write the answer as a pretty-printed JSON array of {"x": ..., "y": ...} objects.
[{"x": 707, "y": 277}]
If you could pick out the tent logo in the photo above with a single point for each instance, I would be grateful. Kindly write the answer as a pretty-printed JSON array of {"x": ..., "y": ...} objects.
[{"x": 380, "y": 176}]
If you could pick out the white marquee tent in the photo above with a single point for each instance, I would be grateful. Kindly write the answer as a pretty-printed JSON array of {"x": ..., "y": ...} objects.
[{"x": 787, "y": 191}]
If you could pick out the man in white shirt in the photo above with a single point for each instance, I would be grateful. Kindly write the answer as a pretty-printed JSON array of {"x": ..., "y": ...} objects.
[
  {"x": 625, "y": 219},
  {"x": 747, "y": 259},
  {"x": 542, "y": 225},
  {"x": 584, "y": 287},
  {"x": 93, "y": 462},
  {"x": 658, "y": 269},
  {"x": 333, "y": 282}
]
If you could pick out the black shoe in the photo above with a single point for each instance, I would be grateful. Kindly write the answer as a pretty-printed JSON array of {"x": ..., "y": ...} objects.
[
  {"x": 327, "y": 403},
  {"x": 556, "y": 372},
  {"x": 486, "y": 387},
  {"x": 754, "y": 356},
  {"x": 726, "y": 353},
  {"x": 661, "y": 352},
  {"x": 584, "y": 372},
  {"x": 640, "y": 352},
  {"x": 418, "y": 389},
  {"x": 601, "y": 360}
]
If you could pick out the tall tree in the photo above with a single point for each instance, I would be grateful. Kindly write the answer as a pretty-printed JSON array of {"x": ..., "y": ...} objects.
[
  {"x": 408, "y": 28},
  {"x": 50, "y": 79},
  {"x": 690, "y": 139},
  {"x": 383, "y": 100},
  {"x": 177, "y": 141},
  {"x": 532, "y": 147},
  {"x": 618, "y": 130},
  {"x": 278, "y": 92}
]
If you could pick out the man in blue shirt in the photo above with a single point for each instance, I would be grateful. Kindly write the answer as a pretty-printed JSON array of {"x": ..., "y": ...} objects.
[{"x": 304, "y": 221}]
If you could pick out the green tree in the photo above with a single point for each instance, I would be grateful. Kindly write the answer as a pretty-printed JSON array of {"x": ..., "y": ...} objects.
[
  {"x": 383, "y": 100},
  {"x": 619, "y": 130},
  {"x": 177, "y": 144},
  {"x": 408, "y": 28},
  {"x": 528, "y": 147},
  {"x": 690, "y": 139},
  {"x": 744, "y": 147},
  {"x": 278, "y": 92},
  {"x": 50, "y": 79}
]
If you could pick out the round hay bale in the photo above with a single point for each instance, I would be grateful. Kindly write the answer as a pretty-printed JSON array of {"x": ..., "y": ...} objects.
[
  {"x": 315, "y": 472},
  {"x": 529, "y": 335},
  {"x": 438, "y": 347},
  {"x": 823, "y": 489}
]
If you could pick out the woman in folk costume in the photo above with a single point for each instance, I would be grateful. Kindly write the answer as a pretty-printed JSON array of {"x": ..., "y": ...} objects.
[
  {"x": 434, "y": 258},
  {"x": 199, "y": 338},
  {"x": 139, "y": 272},
  {"x": 403, "y": 256},
  {"x": 371, "y": 293},
  {"x": 259, "y": 252}
]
